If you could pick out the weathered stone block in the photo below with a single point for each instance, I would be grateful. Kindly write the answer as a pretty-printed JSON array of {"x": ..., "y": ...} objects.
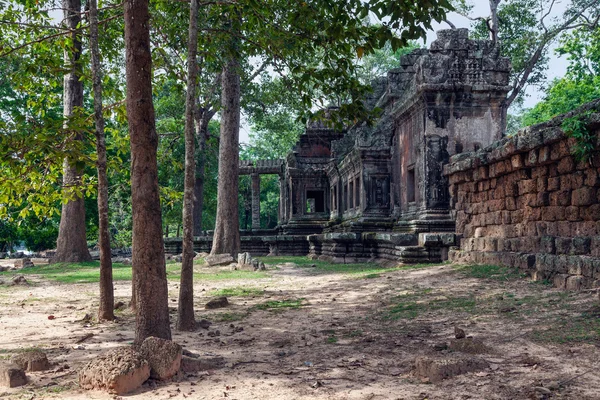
[
  {"x": 164, "y": 357},
  {"x": 583, "y": 197},
  {"x": 32, "y": 361},
  {"x": 437, "y": 370},
  {"x": 574, "y": 283},
  {"x": 219, "y": 259},
  {"x": 117, "y": 371},
  {"x": 581, "y": 245},
  {"x": 553, "y": 184},
  {"x": 566, "y": 165},
  {"x": 11, "y": 375},
  {"x": 560, "y": 280}
]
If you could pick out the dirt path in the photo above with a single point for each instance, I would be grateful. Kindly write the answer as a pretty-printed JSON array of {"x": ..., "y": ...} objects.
[{"x": 313, "y": 333}]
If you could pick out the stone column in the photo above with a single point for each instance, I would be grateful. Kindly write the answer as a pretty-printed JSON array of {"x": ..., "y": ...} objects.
[
  {"x": 255, "y": 201},
  {"x": 281, "y": 216}
]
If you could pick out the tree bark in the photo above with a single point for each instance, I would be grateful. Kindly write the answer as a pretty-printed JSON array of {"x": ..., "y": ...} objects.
[
  {"x": 226, "y": 238},
  {"x": 493, "y": 24},
  {"x": 107, "y": 298},
  {"x": 203, "y": 117},
  {"x": 148, "y": 258},
  {"x": 71, "y": 245},
  {"x": 185, "y": 309}
]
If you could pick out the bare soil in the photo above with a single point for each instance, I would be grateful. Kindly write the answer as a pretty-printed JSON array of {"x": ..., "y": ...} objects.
[{"x": 307, "y": 333}]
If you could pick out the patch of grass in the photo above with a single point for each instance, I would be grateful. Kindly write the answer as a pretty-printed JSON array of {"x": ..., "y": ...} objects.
[
  {"x": 332, "y": 340},
  {"x": 85, "y": 272},
  {"x": 355, "y": 333},
  {"x": 410, "y": 306},
  {"x": 227, "y": 317},
  {"x": 366, "y": 270},
  {"x": 371, "y": 276},
  {"x": 238, "y": 291},
  {"x": 280, "y": 304},
  {"x": 493, "y": 272},
  {"x": 584, "y": 327}
]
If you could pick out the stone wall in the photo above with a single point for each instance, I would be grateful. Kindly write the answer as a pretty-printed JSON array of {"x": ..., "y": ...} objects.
[{"x": 525, "y": 201}]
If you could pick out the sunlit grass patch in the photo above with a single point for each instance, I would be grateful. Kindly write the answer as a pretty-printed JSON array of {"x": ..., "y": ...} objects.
[
  {"x": 238, "y": 291},
  {"x": 85, "y": 272},
  {"x": 280, "y": 304},
  {"x": 493, "y": 272}
]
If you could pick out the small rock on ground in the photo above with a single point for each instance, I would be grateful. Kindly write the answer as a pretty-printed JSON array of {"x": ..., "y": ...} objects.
[
  {"x": 19, "y": 280},
  {"x": 218, "y": 302}
]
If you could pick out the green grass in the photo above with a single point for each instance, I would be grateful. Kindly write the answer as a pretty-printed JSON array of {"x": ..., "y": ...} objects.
[
  {"x": 280, "y": 304},
  {"x": 332, "y": 339},
  {"x": 238, "y": 291},
  {"x": 89, "y": 272},
  {"x": 227, "y": 316},
  {"x": 410, "y": 306},
  {"x": 584, "y": 327},
  {"x": 493, "y": 272},
  {"x": 365, "y": 270},
  {"x": 85, "y": 272}
]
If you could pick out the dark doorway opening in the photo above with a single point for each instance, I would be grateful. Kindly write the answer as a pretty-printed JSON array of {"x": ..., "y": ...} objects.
[{"x": 315, "y": 201}]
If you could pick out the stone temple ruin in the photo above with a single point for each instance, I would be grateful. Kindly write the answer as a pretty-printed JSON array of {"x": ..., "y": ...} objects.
[{"x": 429, "y": 175}]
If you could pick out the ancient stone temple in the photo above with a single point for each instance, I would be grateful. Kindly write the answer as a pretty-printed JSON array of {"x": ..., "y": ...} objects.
[{"x": 379, "y": 192}]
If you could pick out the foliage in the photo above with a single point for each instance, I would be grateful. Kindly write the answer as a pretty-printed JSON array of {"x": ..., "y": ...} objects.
[
  {"x": 526, "y": 31},
  {"x": 585, "y": 139},
  {"x": 580, "y": 85}
]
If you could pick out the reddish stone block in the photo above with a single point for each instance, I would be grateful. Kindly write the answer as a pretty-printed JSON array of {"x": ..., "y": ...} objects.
[
  {"x": 591, "y": 213},
  {"x": 565, "y": 228},
  {"x": 574, "y": 283},
  {"x": 527, "y": 186},
  {"x": 553, "y": 184},
  {"x": 572, "y": 213},
  {"x": 553, "y": 213},
  {"x": 517, "y": 161},
  {"x": 560, "y": 198},
  {"x": 592, "y": 177},
  {"x": 583, "y": 197},
  {"x": 544, "y": 154},
  {"x": 542, "y": 184}
]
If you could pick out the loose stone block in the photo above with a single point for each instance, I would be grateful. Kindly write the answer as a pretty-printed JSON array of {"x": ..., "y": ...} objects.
[
  {"x": 163, "y": 356},
  {"x": 32, "y": 361},
  {"x": 11, "y": 375},
  {"x": 117, "y": 371},
  {"x": 437, "y": 370}
]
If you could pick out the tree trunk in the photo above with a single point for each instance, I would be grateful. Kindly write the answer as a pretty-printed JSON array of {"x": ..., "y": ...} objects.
[
  {"x": 107, "y": 298},
  {"x": 493, "y": 24},
  {"x": 148, "y": 254},
  {"x": 226, "y": 238},
  {"x": 71, "y": 245},
  {"x": 185, "y": 309},
  {"x": 202, "y": 119}
]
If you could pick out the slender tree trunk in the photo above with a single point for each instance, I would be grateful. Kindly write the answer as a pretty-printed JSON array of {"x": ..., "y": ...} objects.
[
  {"x": 107, "y": 298},
  {"x": 202, "y": 119},
  {"x": 71, "y": 245},
  {"x": 493, "y": 24},
  {"x": 227, "y": 226},
  {"x": 185, "y": 309},
  {"x": 148, "y": 254}
]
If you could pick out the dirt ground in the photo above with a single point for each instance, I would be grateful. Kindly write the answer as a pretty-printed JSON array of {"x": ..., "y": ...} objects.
[{"x": 302, "y": 332}]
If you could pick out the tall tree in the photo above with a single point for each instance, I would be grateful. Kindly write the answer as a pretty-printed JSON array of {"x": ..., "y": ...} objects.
[
  {"x": 107, "y": 298},
  {"x": 226, "y": 238},
  {"x": 71, "y": 244},
  {"x": 149, "y": 270},
  {"x": 525, "y": 30},
  {"x": 185, "y": 309}
]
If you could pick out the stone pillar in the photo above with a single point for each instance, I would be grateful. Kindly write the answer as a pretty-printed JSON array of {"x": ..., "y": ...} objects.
[
  {"x": 255, "y": 201},
  {"x": 281, "y": 216}
]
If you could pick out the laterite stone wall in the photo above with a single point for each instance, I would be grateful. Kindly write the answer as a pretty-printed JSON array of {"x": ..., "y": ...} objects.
[{"x": 526, "y": 202}]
